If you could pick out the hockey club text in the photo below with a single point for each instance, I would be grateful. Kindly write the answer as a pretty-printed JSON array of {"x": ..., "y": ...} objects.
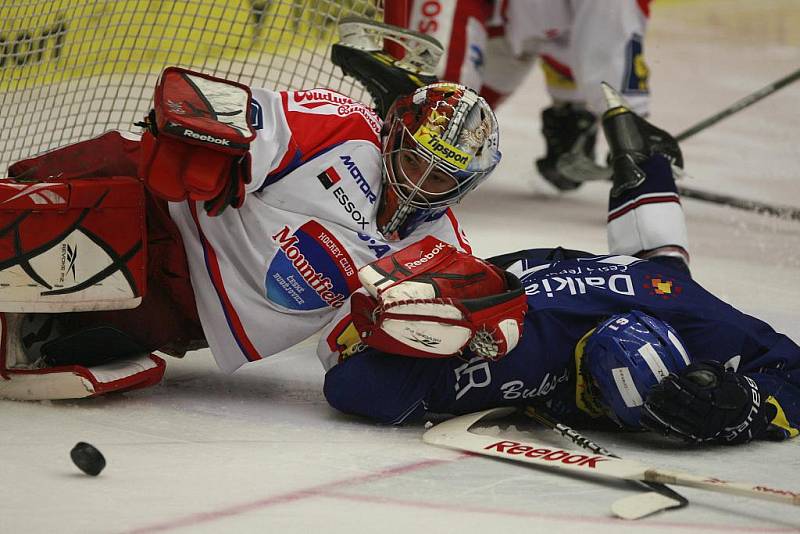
[
  {"x": 477, "y": 374},
  {"x": 379, "y": 249},
  {"x": 430, "y": 11},
  {"x": 515, "y": 389},
  {"x": 622, "y": 284},
  {"x": 320, "y": 283}
]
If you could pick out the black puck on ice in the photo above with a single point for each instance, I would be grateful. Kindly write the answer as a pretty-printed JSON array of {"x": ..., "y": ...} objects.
[{"x": 87, "y": 458}]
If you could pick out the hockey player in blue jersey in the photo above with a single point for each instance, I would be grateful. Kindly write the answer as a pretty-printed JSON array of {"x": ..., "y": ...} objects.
[{"x": 621, "y": 340}]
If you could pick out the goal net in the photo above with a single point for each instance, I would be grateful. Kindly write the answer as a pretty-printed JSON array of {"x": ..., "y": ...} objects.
[{"x": 72, "y": 69}]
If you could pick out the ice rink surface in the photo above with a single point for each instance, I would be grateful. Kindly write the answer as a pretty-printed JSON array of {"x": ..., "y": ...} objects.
[{"x": 260, "y": 451}]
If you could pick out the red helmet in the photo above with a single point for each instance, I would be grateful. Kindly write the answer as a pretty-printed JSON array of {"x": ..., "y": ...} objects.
[{"x": 439, "y": 143}]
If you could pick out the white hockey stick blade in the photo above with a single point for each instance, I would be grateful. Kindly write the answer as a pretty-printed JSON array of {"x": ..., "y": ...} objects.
[
  {"x": 422, "y": 52},
  {"x": 642, "y": 504},
  {"x": 455, "y": 434}
]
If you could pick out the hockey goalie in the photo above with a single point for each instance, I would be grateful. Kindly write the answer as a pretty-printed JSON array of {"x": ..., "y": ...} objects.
[{"x": 238, "y": 220}]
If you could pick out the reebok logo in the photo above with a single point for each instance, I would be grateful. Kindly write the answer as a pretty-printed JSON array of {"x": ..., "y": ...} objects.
[
  {"x": 427, "y": 257},
  {"x": 513, "y": 448},
  {"x": 209, "y": 139}
]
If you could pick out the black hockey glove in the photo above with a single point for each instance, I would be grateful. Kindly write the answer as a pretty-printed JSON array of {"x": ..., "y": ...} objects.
[{"x": 706, "y": 402}]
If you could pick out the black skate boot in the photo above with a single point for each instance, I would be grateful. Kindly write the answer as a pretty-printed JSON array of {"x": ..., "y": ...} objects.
[
  {"x": 563, "y": 127},
  {"x": 631, "y": 141},
  {"x": 360, "y": 54}
]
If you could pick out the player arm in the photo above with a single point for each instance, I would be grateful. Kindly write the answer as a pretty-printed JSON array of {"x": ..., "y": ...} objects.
[
  {"x": 297, "y": 126},
  {"x": 776, "y": 371},
  {"x": 743, "y": 384},
  {"x": 383, "y": 387}
]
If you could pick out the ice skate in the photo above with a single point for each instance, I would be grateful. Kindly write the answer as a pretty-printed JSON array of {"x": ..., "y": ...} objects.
[
  {"x": 567, "y": 129},
  {"x": 361, "y": 55},
  {"x": 632, "y": 140}
]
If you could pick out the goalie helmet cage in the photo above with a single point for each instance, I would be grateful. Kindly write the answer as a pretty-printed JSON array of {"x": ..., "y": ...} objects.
[{"x": 73, "y": 69}]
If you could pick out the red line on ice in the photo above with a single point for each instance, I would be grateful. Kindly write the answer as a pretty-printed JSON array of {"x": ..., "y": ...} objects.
[
  {"x": 328, "y": 490},
  {"x": 316, "y": 491}
]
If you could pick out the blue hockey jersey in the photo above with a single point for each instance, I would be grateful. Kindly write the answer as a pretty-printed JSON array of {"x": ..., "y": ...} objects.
[{"x": 568, "y": 296}]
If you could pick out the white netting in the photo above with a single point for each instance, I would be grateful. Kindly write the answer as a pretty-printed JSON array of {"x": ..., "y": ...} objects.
[{"x": 72, "y": 69}]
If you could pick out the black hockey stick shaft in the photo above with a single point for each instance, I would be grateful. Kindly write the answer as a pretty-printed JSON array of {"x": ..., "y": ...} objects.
[
  {"x": 726, "y": 200},
  {"x": 784, "y": 212},
  {"x": 579, "y": 439},
  {"x": 739, "y": 105}
]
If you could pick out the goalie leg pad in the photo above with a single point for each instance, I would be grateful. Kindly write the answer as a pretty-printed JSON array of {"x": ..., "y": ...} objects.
[
  {"x": 73, "y": 245},
  {"x": 22, "y": 379}
]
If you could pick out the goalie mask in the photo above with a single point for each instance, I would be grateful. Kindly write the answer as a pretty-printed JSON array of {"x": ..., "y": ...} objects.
[
  {"x": 439, "y": 143},
  {"x": 627, "y": 355}
]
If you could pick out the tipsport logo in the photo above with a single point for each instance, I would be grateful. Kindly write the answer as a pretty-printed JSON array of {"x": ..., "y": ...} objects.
[
  {"x": 660, "y": 286},
  {"x": 443, "y": 149}
]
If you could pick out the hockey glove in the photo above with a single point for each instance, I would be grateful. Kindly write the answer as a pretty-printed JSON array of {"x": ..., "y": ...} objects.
[
  {"x": 197, "y": 140},
  {"x": 705, "y": 402},
  {"x": 431, "y": 301}
]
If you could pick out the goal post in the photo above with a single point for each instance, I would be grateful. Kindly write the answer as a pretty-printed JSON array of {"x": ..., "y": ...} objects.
[{"x": 72, "y": 69}]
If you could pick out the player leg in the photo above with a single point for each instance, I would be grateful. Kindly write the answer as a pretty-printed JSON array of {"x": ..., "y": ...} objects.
[
  {"x": 567, "y": 124},
  {"x": 460, "y": 26},
  {"x": 82, "y": 244},
  {"x": 645, "y": 217},
  {"x": 604, "y": 43}
]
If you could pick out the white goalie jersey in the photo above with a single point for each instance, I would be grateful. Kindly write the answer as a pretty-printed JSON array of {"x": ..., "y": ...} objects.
[{"x": 275, "y": 271}]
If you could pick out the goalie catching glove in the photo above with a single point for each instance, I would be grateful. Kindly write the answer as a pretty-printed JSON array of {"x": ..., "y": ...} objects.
[
  {"x": 197, "y": 141},
  {"x": 429, "y": 300}
]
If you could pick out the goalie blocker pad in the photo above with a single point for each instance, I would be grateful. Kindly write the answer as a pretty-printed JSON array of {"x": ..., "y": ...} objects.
[
  {"x": 78, "y": 245},
  {"x": 197, "y": 147},
  {"x": 429, "y": 300}
]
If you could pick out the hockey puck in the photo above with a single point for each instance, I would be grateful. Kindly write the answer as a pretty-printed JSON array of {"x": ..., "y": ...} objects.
[{"x": 87, "y": 458}]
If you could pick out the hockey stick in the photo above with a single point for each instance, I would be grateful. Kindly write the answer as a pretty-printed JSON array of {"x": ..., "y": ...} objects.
[
  {"x": 637, "y": 506},
  {"x": 455, "y": 434},
  {"x": 784, "y": 212},
  {"x": 576, "y": 166}
]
